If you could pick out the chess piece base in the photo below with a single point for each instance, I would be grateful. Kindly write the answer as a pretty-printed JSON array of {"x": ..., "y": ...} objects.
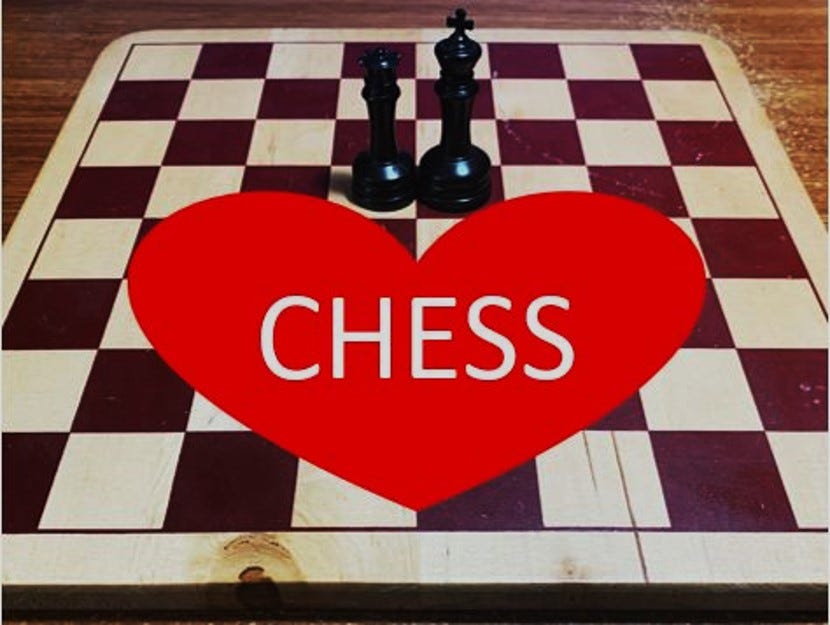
[
  {"x": 383, "y": 185},
  {"x": 454, "y": 185}
]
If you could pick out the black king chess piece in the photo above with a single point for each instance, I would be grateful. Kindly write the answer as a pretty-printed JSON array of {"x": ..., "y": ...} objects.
[
  {"x": 383, "y": 179},
  {"x": 455, "y": 174}
]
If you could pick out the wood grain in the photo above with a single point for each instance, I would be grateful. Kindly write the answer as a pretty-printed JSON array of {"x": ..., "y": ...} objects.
[{"x": 49, "y": 47}]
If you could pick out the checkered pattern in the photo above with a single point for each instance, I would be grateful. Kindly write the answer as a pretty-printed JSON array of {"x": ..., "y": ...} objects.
[{"x": 101, "y": 435}]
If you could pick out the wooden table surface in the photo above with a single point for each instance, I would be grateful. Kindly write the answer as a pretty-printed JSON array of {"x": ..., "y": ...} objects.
[{"x": 49, "y": 47}]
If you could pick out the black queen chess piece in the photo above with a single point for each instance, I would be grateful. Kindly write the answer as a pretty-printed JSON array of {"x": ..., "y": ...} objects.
[
  {"x": 455, "y": 174},
  {"x": 383, "y": 178}
]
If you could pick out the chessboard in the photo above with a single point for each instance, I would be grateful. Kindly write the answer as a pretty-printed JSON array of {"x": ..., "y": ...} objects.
[{"x": 122, "y": 486}]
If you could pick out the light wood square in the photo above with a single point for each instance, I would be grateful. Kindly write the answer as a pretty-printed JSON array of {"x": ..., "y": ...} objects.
[
  {"x": 601, "y": 479},
  {"x": 733, "y": 192},
  {"x": 351, "y": 105},
  {"x": 532, "y": 99},
  {"x": 294, "y": 142},
  {"x": 580, "y": 484},
  {"x": 526, "y": 179},
  {"x": 484, "y": 134},
  {"x": 700, "y": 390},
  {"x": 128, "y": 143},
  {"x": 123, "y": 331},
  {"x": 42, "y": 388},
  {"x": 802, "y": 462},
  {"x": 86, "y": 248},
  {"x": 222, "y": 99},
  {"x": 207, "y": 417},
  {"x": 615, "y": 142},
  {"x": 644, "y": 491},
  {"x": 178, "y": 187},
  {"x": 305, "y": 60},
  {"x": 113, "y": 481},
  {"x": 686, "y": 100},
  {"x": 427, "y": 135},
  {"x": 772, "y": 313},
  {"x": 610, "y": 62},
  {"x": 161, "y": 62},
  {"x": 428, "y": 231},
  {"x": 324, "y": 500}
]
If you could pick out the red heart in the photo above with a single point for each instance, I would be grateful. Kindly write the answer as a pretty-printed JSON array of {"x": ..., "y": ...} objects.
[{"x": 202, "y": 281}]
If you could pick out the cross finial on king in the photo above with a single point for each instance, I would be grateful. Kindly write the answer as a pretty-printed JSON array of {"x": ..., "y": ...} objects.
[{"x": 460, "y": 22}]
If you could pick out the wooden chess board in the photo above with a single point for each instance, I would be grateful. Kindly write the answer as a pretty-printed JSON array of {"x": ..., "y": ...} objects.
[{"x": 706, "y": 489}]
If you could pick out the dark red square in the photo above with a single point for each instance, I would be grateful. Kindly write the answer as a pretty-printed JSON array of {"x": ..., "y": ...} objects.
[
  {"x": 403, "y": 230},
  {"x": 351, "y": 136},
  {"x": 672, "y": 62},
  {"x": 542, "y": 142},
  {"x": 525, "y": 60},
  {"x": 300, "y": 98},
  {"x": 133, "y": 390},
  {"x": 628, "y": 415},
  {"x": 705, "y": 143},
  {"x": 653, "y": 186},
  {"x": 428, "y": 104},
  {"x": 143, "y": 230},
  {"x": 300, "y": 179},
  {"x": 210, "y": 143},
  {"x": 233, "y": 60},
  {"x": 108, "y": 192},
  {"x": 231, "y": 482},
  {"x": 353, "y": 51},
  {"x": 721, "y": 482},
  {"x": 711, "y": 330},
  {"x": 145, "y": 99},
  {"x": 789, "y": 386},
  {"x": 509, "y": 502},
  {"x": 147, "y": 224},
  {"x": 748, "y": 248},
  {"x": 30, "y": 462},
  {"x": 59, "y": 314},
  {"x": 496, "y": 195},
  {"x": 609, "y": 99}
]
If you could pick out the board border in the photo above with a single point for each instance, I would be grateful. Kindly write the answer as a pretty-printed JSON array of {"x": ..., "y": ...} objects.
[
  {"x": 38, "y": 552},
  {"x": 435, "y": 603}
]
